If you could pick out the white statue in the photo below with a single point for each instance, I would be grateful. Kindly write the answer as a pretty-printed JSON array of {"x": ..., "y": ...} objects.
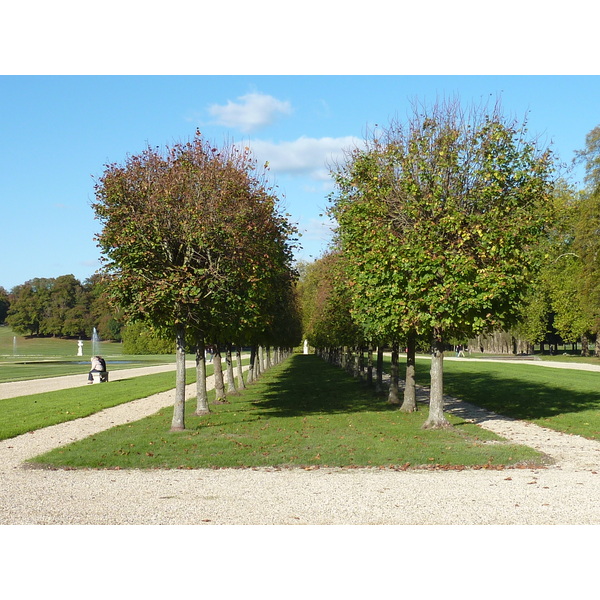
[
  {"x": 305, "y": 346},
  {"x": 79, "y": 348}
]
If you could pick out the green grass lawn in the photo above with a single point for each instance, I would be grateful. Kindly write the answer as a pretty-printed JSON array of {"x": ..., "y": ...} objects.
[
  {"x": 13, "y": 346},
  {"x": 28, "y": 413},
  {"x": 303, "y": 412},
  {"x": 561, "y": 399}
]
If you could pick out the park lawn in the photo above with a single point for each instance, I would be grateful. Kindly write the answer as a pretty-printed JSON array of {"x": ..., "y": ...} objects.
[
  {"x": 41, "y": 368},
  {"x": 561, "y": 399},
  {"x": 40, "y": 357},
  {"x": 38, "y": 346},
  {"x": 27, "y": 413},
  {"x": 303, "y": 413}
]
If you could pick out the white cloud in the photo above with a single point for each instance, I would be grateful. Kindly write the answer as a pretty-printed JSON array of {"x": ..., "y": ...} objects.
[
  {"x": 317, "y": 230},
  {"x": 252, "y": 112},
  {"x": 316, "y": 236},
  {"x": 304, "y": 156}
]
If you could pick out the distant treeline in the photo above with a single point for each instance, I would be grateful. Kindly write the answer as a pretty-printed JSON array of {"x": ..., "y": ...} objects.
[
  {"x": 66, "y": 308},
  {"x": 59, "y": 307}
]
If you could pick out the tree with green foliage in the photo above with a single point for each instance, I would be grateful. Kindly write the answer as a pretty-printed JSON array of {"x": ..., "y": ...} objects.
[
  {"x": 439, "y": 219},
  {"x": 372, "y": 251},
  {"x": 29, "y": 306},
  {"x": 551, "y": 303},
  {"x": 564, "y": 303},
  {"x": 586, "y": 242},
  {"x": 4, "y": 304},
  {"x": 67, "y": 309}
]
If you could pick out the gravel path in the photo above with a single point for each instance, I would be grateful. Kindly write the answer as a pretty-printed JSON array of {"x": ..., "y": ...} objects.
[{"x": 567, "y": 492}]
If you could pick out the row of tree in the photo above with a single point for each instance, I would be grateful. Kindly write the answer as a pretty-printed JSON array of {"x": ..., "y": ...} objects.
[
  {"x": 452, "y": 225},
  {"x": 195, "y": 247},
  {"x": 564, "y": 300}
]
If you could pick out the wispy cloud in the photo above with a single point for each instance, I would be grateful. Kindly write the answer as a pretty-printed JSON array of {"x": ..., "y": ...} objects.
[
  {"x": 317, "y": 230},
  {"x": 316, "y": 237},
  {"x": 251, "y": 112},
  {"x": 305, "y": 156}
]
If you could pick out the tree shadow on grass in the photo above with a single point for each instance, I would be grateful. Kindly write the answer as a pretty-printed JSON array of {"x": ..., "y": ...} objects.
[{"x": 309, "y": 385}]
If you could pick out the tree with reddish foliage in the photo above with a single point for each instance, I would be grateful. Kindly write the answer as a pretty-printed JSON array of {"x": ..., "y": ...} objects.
[{"x": 178, "y": 239}]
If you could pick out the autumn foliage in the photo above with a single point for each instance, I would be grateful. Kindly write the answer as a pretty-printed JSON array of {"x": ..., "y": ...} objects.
[{"x": 194, "y": 245}]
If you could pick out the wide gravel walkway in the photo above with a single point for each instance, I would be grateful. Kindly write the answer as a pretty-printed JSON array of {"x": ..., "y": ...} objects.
[{"x": 567, "y": 492}]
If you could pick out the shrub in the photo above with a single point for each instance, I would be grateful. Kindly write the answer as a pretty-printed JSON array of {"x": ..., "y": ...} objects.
[{"x": 139, "y": 338}]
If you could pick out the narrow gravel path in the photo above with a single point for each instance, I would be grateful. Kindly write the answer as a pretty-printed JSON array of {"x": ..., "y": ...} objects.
[{"x": 566, "y": 492}]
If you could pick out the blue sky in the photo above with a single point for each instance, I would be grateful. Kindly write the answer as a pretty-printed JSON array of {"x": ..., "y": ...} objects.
[{"x": 57, "y": 132}]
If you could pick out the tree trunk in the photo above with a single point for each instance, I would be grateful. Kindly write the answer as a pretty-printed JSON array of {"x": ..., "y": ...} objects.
[
  {"x": 370, "y": 365},
  {"x": 357, "y": 364},
  {"x": 268, "y": 361},
  {"x": 230, "y": 377},
  {"x": 597, "y": 345},
  {"x": 436, "y": 418},
  {"x": 343, "y": 358},
  {"x": 410, "y": 396},
  {"x": 258, "y": 362},
  {"x": 585, "y": 345},
  {"x": 379, "y": 369},
  {"x": 393, "y": 397},
  {"x": 178, "y": 422},
  {"x": 261, "y": 359},
  {"x": 201, "y": 392},
  {"x": 219, "y": 384},
  {"x": 238, "y": 364},
  {"x": 251, "y": 365}
]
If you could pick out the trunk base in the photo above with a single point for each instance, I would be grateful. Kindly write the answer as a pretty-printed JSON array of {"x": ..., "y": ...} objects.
[
  {"x": 437, "y": 425},
  {"x": 177, "y": 429},
  {"x": 199, "y": 413}
]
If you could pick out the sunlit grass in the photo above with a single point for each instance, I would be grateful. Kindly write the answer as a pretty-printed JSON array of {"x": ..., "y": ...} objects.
[
  {"x": 562, "y": 399},
  {"x": 28, "y": 413},
  {"x": 301, "y": 413}
]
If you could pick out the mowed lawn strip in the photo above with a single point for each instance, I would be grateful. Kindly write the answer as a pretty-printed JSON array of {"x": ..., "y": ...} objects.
[
  {"x": 42, "y": 368},
  {"x": 27, "y": 413},
  {"x": 561, "y": 399},
  {"x": 303, "y": 412}
]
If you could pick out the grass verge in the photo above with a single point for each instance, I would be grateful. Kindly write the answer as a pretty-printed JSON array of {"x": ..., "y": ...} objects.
[
  {"x": 303, "y": 413},
  {"x": 27, "y": 413},
  {"x": 560, "y": 399}
]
